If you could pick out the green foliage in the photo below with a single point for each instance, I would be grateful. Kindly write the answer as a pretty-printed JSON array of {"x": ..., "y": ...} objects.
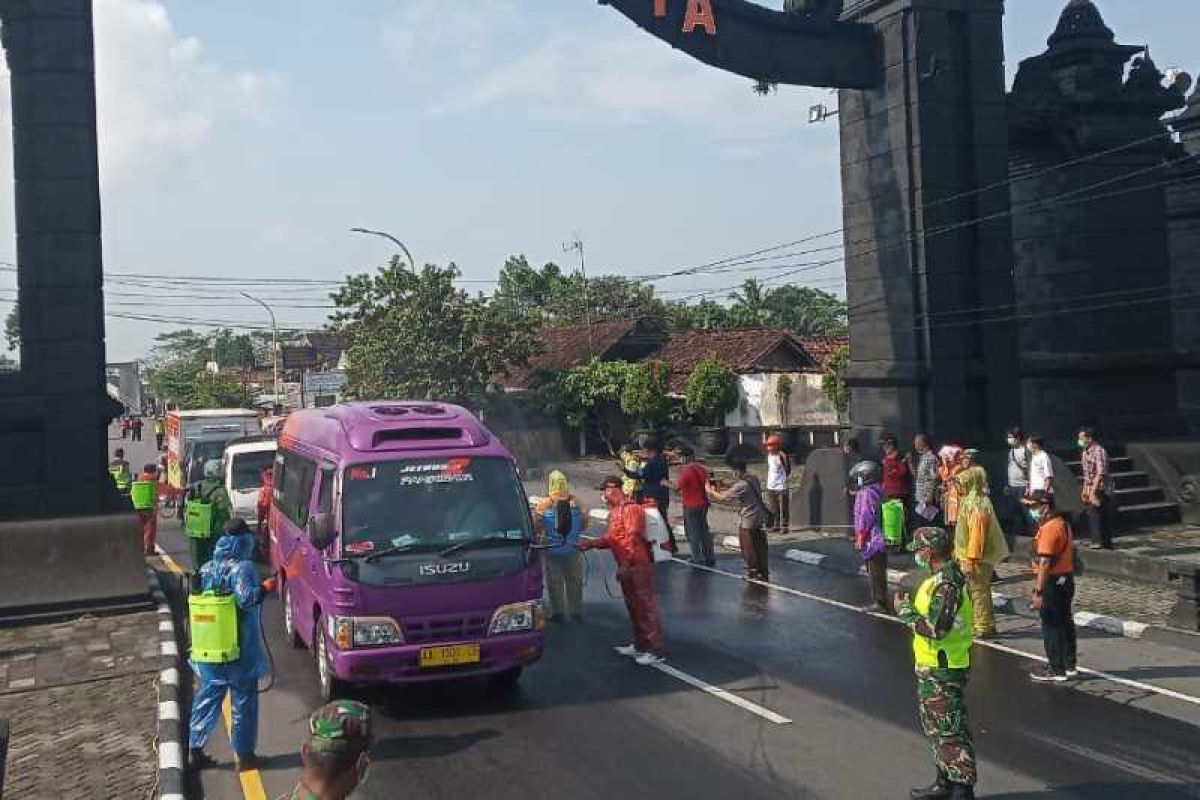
[
  {"x": 712, "y": 391},
  {"x": 800, "y": 309},
  {"x": 645, "y": 394},
  {"x": 833, "y": 383},
  {"x": 414, "y": 335},
  {"x": 557, "y": 298},
  {"x": 588, "y": 388},
  {"x": 177, "y": 373},
  {"x": 12, "y": 329},
  {"x": 783, "y": 393}
]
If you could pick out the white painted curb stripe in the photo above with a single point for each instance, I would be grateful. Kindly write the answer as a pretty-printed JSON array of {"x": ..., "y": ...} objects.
[
  {"x": 170, "y": 755},
  {"x": 805, "y": 557},
  {"x": 722, "y": 694},
  {"x": 166, "y": 627},
  {"x": 169, "y": 648},
  {"x": 171, "y": 797},
  {"x": 168, "y": 710},
  {"x": 170, "y": 677},
  {"x": 1117, "y": 627}
]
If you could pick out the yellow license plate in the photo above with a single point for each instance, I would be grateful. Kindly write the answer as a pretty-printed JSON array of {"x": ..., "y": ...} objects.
[{"x": 449, "y": 656}]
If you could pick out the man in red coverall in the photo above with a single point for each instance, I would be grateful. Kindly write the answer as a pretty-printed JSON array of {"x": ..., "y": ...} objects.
[
  {"x": 263, "y": 507},
  {"x": 626, "y": 538}
]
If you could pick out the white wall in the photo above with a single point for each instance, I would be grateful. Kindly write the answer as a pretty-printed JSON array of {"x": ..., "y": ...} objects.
[{"x": 758, "y": 406}]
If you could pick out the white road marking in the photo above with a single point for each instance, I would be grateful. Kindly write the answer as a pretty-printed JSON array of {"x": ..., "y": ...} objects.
[
  {"x": 718, "y": 692},
  {"x": 1143, "y": 687}
]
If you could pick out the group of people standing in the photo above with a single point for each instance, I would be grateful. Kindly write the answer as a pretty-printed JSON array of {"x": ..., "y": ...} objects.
[{"x": 132, "y": 428}]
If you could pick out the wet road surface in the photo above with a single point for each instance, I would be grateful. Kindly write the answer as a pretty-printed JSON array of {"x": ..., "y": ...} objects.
[{"x": 587, "y": 723}]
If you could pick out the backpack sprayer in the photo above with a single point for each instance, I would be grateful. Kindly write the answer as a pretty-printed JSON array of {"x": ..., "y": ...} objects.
[{"x": 214, "y": 623}]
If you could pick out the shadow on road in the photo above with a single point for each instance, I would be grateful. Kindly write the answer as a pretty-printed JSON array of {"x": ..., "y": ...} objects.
[{"x": 1109, "y": 791}]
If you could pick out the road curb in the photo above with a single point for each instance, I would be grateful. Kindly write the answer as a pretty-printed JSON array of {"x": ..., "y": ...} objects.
[{"x": 170, "y": 710}]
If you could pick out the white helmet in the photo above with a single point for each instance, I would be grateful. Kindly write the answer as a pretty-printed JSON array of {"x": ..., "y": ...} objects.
[{"x": 212, "y": 468}]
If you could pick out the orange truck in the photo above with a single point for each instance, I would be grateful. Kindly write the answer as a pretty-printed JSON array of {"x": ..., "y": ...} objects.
[{"x": 194, "y": 437}]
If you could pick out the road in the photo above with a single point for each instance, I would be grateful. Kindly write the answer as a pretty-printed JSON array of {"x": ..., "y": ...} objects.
[{"x": 820, "y": 704}]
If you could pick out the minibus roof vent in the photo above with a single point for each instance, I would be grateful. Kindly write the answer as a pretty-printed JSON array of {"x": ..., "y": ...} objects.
[
  {"x": 390, "y": 411},
  {"x": 429, "y": 410},
  {"x": 416, "y": 435}
]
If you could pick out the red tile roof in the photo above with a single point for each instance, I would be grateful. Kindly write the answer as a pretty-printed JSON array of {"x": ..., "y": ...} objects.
[
  {"x": 745, "y": 349},
  {"x": 568, "y": 346}
]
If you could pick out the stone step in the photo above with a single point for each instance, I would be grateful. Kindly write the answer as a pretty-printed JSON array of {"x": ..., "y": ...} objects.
[
  {"x": 1115, "y": 464},
  {"x": 1145, "y": 515},
  {"x": 1130, "y": 480},
  {"x": 1139, "y": 495}
]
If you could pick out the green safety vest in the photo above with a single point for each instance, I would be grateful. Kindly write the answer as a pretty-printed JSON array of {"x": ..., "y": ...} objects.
[
  {"x": 213, "y": 619},
  {"x": 201, "y": 518},
  {"x": 144, "y": 495},
  {"x": 956, "y": 644},
  {"x": 122, "y": 477}
]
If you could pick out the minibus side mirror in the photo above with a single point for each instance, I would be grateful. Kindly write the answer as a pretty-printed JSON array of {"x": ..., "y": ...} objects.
[{"x": 320, "y": 530}]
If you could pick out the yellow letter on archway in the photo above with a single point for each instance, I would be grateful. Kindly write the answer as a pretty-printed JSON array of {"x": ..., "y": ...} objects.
[{"x": 700, "y": 13}]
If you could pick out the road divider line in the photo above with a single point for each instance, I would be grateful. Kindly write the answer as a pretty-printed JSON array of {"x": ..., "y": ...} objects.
[
  {"x": 722, "y": 694},
  {"x": 251, "y": 779},
  {"x": 170, "y": 562},
  {"x": 1095, "y": 673}
]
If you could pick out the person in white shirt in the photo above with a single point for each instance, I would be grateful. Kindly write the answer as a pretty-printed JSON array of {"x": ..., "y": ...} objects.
[
  {"x": 779, "y": 467},
  {"x": 1041, "y": 470}
]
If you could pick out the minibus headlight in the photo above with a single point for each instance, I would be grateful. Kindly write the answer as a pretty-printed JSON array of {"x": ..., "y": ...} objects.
[
  {"x": 351, "y": 632},
  {"x": 517, "y": 617}
]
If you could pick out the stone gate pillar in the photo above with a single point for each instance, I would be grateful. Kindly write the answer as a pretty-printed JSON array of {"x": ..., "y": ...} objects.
[
  {"x": 918, "y": 151},
  {"x": 67, "y": 542},
  {"x": 54, "y": 412}
]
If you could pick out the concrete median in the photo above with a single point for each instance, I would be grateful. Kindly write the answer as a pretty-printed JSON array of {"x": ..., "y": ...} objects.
[{"x": 59, "y": 567}]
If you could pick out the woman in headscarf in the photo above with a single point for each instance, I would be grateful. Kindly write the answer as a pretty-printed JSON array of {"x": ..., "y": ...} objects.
[
  {"x": 868, "y": 528},
  {"x": 561, "y": 519},
  {"x": 979, "y": 545},
  {"x": 950, "y": 465}
]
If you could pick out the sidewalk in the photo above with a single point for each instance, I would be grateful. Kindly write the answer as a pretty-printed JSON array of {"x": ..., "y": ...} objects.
[{"x": 81, "y": 698}]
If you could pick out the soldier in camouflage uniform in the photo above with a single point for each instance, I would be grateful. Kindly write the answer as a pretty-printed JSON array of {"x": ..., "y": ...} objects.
[
  {"x": 940, "y": 617},
  {"x": 336, "y": 755}
]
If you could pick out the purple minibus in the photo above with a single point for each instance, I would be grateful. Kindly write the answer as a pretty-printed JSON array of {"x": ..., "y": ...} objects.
[{"x": 404, "y": 542}]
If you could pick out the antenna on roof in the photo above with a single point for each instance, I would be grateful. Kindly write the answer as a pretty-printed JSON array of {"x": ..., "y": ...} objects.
[{"x": 576, "y": 244}]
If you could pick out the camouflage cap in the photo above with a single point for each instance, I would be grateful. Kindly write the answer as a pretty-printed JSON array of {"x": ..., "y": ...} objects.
[
  {"x": 340, "y": 726},
  {"x": 936, "y": 539}
]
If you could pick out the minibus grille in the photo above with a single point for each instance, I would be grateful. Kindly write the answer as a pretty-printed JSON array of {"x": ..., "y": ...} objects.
[{"x": 444, "y": 629}]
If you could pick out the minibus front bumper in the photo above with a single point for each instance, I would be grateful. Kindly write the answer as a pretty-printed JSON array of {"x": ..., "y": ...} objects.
[{"x": 414, "y": 663}]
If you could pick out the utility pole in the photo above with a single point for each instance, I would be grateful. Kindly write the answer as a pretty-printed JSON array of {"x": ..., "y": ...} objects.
[
  {"x": 576, "y": 244},
  {"x": 274, "y": 345}
]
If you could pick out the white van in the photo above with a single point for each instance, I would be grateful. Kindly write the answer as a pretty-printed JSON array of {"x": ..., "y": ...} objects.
[{"x": 244, "y": 461}]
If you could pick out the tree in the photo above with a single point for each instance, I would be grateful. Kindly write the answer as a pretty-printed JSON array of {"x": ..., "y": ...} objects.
[
  {"x": 712, "y": 391},
  {"x": 645, "y": 396},
  {"x": 557, "y": 298},
  {"x": 177, "y": 372},
  {"x": 783, "y": 396},
  {"x": 588, "y": 394},
  {"x": 833, "y": 382},
  {"x": 414, "y": 335},
  {"x": 12, "y": 328}
]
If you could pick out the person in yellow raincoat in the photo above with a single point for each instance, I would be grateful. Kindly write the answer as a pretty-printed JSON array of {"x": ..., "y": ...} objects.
[
  {"x": 979, "y": 545},
  {"x": 949, "y": 467}
]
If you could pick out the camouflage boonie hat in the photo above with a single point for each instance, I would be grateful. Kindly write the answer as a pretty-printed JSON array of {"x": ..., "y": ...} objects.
[
  {"x": 937, "y": 539},
  {"x": 340, "y": 726}
]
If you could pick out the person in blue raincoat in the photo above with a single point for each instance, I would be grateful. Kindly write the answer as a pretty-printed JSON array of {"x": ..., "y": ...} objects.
[
  {"x": 232, "y": 570},
  {"x": 561, "y": 519}
]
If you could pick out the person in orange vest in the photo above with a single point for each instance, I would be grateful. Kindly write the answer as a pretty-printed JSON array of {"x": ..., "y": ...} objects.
[{"x": 263, "y": 507}]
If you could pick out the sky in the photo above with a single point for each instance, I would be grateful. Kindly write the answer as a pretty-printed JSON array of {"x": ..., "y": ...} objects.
[{"x": 246, "y": 139}]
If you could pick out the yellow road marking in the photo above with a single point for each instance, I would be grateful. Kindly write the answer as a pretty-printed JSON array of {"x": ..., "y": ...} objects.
[
  {"x": 251, "y": 779},
  {"x": 170, "y": 562}
]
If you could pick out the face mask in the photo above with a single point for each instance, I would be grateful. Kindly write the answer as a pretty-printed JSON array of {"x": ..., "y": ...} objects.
[
  {"x": 1082, "y": 444},
  {"x": 922, "y": 561},
  {"x": 1012, "y": 442},
  {"x": 1036, "y": 513}
]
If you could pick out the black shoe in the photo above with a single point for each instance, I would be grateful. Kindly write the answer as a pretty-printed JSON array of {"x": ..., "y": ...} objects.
[
  {"x": 940, "y": 790},
  {"x": 1047, "y": 675},
  {"x": 961, "y": 791},
  {"x": 198, "y": 759},
  {"x": 251, "y": 761}
]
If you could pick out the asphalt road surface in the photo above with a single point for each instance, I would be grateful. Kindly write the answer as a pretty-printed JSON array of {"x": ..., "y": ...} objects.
[{"x": 777, "y": 691}]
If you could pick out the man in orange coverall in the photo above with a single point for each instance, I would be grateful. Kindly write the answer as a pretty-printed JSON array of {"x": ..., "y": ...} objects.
[{"x": 626, "y": 538}]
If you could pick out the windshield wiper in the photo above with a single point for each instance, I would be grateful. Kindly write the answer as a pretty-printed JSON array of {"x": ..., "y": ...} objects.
[{"x": 487, "y": 541}]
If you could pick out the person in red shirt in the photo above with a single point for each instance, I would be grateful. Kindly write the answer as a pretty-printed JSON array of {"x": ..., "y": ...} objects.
[
  {"x": 626, "y": 539},
  {"x": 692, "y": 480},
  {"x": 263, "y": 507}
]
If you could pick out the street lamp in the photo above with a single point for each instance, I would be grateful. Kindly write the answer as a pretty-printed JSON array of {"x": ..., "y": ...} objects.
[
  {"x": 274, "y": 345},
  {"x": 393, "y": 240}
]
